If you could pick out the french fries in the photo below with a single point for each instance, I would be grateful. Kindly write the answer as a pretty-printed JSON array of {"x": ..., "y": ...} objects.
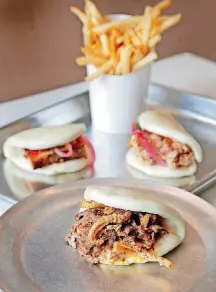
[
  {"x": 146, "y": 60},
  {"x": 163, "y": 5},
  {"x": 93, "y": 12},
  {"x": 147, "y": 24},
  {"x": 81, "y": 15},
  {"x": 102, "y": 70},
  {"x": 90, "y": 60},
  {"x": 106, "y": 27},
  {"x": 105, "y": 44},
  {"x": 125, "y": 56},
  {"x": 135, "y": 38},
  {"x": 169, "y": 22},
  {"x": 119, "y": 47},
  {"x": 154, "y": 41},
  {"x": 137, "y": 55},
  {"x": 118, "y": 69}
]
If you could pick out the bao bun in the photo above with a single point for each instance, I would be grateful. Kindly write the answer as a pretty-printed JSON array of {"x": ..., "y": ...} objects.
[
  {"x": 44, "y": 138},
  {"x": 156, "y": 170},
  {"x": 132, "y": 200},
  {"x": 163, "y": 124}
]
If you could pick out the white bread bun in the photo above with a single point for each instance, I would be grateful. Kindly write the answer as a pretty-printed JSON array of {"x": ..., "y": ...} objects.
[
  {"x": 16, "y": 155},
  {"x": 43, "y": 138},
  {"x": 132, "y": 200},
  {"x": 162, "y": 123},
  {"x": 156, "y": 170}
]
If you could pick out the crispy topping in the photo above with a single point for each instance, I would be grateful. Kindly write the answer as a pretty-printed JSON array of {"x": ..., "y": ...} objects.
[
  {"x": 100, "y": 231},
  {"x": 144, "y": 220},
  {"x": 91, "y": 204},
  {"x": 105, "y": 220}
]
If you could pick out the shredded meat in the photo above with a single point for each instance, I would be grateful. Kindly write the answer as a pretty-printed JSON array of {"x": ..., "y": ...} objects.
[
  {"x": 87, "y": 205},
  {"x": 117, "y": 218},
  {"x": 45, "y": 157},
  {"x": 174, "y": 153},
  {"x": 97, "y": 229}
]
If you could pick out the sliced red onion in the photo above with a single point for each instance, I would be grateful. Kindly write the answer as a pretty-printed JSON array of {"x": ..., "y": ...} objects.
[
  {"x": 151, "y": 151},
  {"x": 63, "y": 154},
  {"x": 88, "y": 144},
  {"x": 138, "y": 132}
]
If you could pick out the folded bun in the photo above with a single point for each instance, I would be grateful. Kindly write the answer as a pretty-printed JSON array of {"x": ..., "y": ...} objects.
[
  {"x": 163, "y": 124},
  {"x": 43, "y": 138},
  {"x": 156, "y": 170},
  {"x": 128, "y": 199},
  {"x": 16, "y": 155}
]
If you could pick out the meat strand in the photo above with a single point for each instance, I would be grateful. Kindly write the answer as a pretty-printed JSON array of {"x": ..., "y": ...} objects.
[
  {"x": 94, "y": 232},
  {"x": 173, "y": 153},
  {"x": 43, "y": 158}
]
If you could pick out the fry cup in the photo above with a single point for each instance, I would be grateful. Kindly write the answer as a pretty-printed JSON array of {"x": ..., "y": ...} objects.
[{"x": 116, "y": 100}]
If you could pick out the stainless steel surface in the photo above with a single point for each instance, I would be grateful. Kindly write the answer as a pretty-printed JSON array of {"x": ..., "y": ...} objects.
[
  {"x": 68, "y": 111},
  {"x": 209, "y": 195},
  {"x": 197, "y": 114},
  {"x": 34, "y": 256}
]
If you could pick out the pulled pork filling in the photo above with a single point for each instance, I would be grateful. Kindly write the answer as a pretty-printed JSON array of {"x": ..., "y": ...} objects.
[
  {"x": 100, "y": 228},
  {"x": 45, "y": 157},
  {"x": 173, "y": 153}
]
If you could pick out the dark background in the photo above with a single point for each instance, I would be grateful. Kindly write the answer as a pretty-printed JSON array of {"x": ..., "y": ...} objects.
[{"x": 39, "y": 39}]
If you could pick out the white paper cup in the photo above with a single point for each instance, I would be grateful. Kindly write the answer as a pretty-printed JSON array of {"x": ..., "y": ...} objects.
[{"x": 117, "y": 100}]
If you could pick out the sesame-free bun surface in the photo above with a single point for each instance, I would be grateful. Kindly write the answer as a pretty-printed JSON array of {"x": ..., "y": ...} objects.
[
  {"x": 137, "y": 201},
  {"x": 47, "y": 137},
  {"x": 132, "y": 159},
  {"x": 43, "y": 138},
  {"x": 16, "y": 155},
  {"x": 163, "y": 124}
]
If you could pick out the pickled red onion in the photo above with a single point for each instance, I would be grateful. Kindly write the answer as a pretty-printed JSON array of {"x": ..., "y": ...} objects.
[
  {"x": 151, "y": 151},
  {"x": 138, "y": 132},
  {"x": 87, "y": 143},
  {"x": 60, "y": 153}
]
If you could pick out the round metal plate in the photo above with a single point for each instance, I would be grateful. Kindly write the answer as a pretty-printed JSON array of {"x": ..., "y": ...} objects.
[{"x": 34, "y": 256}]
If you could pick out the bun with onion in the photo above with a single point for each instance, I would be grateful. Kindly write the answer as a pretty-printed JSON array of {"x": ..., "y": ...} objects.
[
  {"x": 161, "y": 147},
  {"x": 50, "y": 150}
]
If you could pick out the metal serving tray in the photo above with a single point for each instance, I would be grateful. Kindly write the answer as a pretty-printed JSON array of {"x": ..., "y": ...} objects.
[
  {"x": 35, "y": 258},
  {"x": 197, "y": 114}
]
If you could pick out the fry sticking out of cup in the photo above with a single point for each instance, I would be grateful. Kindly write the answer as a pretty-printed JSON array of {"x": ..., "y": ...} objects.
[{"x": 118, "y": 53}]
